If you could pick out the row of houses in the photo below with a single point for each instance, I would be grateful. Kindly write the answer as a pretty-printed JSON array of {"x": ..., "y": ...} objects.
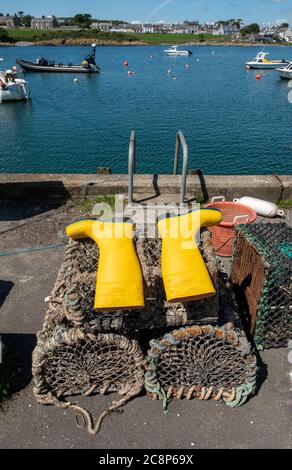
[
  {"x": 267, "y": 33},
  {"x": 187, "y": 27},
  {"x": 14, "y": 21}
]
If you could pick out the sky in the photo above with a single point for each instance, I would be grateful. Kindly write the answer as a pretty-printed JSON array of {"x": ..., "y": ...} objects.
[{"x": 261, "y": 11}]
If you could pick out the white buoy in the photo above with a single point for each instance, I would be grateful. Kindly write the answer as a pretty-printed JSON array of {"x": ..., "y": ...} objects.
[
  {"x": 213, "y": 52},
  {"x": 198, "y": 60},
  {"x": 174, "y": 78},
  {"x": 260, "y": 206},
  {"x": 169, "y": 71},
  {"x": 76, "y": 80}
]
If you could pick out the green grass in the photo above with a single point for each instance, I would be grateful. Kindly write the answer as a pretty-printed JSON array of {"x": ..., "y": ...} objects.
[
  {"x": 286, "y": 204},
  {"x": 39, "y": 35},
  {"x": 86, "y": 206},
  {"x": 31, "y": 35},
  {"x": 8, "y": 377}
]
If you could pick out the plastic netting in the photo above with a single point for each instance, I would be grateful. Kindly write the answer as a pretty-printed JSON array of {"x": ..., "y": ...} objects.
[
  {"x": 262, "y": 269},
  {"x": 76, "y": 362},
  {"x": 202, "y": 362}
]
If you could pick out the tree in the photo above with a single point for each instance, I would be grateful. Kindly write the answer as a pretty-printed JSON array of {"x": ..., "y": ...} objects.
[
  {"x": 238, "y": 23},
  {"x": 82, "y": 20},
  {"x": 26, "y": 21},
  {"x": 20, "y": 14},
  {"x": 3, "y": 36},
  {"x": 284, "y": 25},
  {"x": 250, "y": 29}
]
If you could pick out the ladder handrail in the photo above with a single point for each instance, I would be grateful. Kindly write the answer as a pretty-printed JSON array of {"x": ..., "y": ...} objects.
[
  {"x": 131, "y": 167},
  {"x": 181, "y": 142}
]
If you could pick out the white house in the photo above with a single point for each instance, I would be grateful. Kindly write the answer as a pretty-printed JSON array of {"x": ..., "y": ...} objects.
[
  {"x": 230, "y": 29},
  {"x": 287, "y": 35},
  {"x": 105, "y": 27},
  {"x": 148, "y": 28}
]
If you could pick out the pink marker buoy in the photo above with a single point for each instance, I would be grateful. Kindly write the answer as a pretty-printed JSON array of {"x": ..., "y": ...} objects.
[
  {"x": 126, "y": 63},
  {"x": 259, "y": 77}
]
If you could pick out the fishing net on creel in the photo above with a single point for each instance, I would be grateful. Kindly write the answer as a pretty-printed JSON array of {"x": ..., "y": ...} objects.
[
  {"x": 203, "y": 362},
  {"x": 72, "y": 299},
  {"x": 77, "y": 362},
  {"x": 262, "y": 272}
]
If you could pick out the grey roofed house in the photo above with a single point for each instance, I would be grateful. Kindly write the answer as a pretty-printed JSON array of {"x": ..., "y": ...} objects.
[
  {"x": 9, "y": 21},
  {"x": 148, "y": 28},
  {"x": 102, "y": 26},
  {"x": 288, "y": 35},
  {"x": 45, "y": 22}
]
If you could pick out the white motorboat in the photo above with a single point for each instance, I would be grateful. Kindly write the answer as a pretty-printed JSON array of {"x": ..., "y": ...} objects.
[
  {"x": 174, "y": 51},
  {"x": 13, "y": 88},
  {"x": 261, "y": 62},
  {"x": 286, "y": 72}
]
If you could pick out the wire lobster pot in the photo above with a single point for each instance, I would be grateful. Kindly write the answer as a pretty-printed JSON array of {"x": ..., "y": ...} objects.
[{"x": 262, "y": 272}]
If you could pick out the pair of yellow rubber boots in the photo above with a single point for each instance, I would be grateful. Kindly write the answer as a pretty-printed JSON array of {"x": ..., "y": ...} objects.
[{"x": 119, "y": 283}]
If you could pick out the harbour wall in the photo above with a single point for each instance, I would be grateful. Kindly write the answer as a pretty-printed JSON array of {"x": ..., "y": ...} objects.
[{"x": 52, "y": 187}]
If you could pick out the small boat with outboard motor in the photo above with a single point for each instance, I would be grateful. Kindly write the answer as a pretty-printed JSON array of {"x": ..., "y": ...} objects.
[
  {"x": 261, "y": 62},
  {"x": 13, "y": 88},
  {"x": 174, "y": 51},
  {"x": 88, "y": 65},
  {"x": 286, "y": 72}
]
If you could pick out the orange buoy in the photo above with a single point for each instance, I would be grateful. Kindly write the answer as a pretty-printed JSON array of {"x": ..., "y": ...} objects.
[
  {"x": 258, "y": 77},
  {"x": 126, "y": 63}
]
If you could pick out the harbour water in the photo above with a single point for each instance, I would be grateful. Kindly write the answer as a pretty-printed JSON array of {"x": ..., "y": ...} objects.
[{"x": 233, "y": 123}]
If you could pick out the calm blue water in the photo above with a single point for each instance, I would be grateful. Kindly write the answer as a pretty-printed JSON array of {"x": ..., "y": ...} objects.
[{"x": 233, "y": 124}]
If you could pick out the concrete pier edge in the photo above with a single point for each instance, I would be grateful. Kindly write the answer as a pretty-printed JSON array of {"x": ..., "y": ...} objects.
[{"x": 79, "y": 186}]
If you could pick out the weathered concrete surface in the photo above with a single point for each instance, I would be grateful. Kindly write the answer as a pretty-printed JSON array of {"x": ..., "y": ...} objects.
[
  {"x": 48, "y": 186},
  {"x": 287, "y": 188},
  {"x": 264, "y": 422}
]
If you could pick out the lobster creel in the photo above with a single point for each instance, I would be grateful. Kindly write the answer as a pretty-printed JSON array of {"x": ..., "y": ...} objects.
[
  {"x": 72, "y": 299},
  {"x": 262, "y": 272},
  {"x": 74, "y": 361},
  {"x": 203, "y": 362}
]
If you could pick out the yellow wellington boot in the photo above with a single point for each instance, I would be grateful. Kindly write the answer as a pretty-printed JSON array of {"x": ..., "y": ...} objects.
[
  {"x": 119, "y": 281},
  {"x": 185, "y": 275}
]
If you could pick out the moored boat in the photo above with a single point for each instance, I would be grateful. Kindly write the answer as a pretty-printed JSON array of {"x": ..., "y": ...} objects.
[
  {"x": 13, "y": 88},
  {"x": 174, "y": 51},
  {"x": 261, "y": 62},
  {"x": 286, "y": 72},
  {"x": 88, "y": 65}
]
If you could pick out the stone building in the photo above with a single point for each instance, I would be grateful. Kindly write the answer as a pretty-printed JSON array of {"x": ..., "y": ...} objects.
[
  {"x": 45, "y": 22},
  {"x": 9, "y": 21}
]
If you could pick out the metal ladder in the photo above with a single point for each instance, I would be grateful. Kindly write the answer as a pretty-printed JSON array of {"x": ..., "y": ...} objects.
[{"x": 180, "y": 142}]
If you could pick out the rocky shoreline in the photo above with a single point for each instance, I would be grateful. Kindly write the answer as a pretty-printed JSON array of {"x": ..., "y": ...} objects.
[{"x": 104, "y": 43}]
